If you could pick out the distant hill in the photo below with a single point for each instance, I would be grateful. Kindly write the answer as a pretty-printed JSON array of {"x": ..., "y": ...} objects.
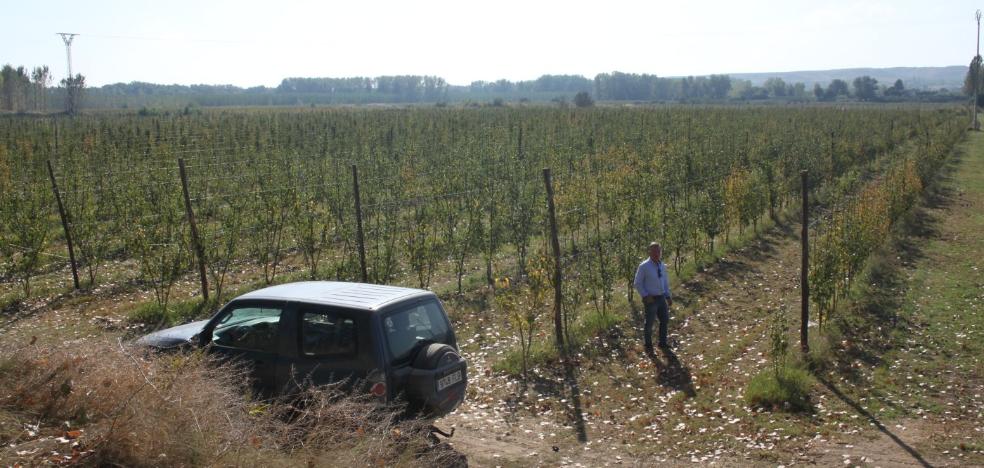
[{"x": 913, "y": 77}]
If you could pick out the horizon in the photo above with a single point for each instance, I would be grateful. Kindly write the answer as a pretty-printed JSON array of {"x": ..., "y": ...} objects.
[{"x": 247, "y": 44}]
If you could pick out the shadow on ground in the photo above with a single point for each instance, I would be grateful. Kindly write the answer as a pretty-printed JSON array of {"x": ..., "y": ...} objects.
[
  {"x": 874, "y": 421},
  {"x": 673, "y": 373}
]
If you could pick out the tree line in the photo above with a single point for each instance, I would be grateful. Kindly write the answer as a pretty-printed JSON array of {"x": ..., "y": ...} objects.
[
  {"x": 404, "y": 88},
  {"x": 23, "y": 91},
  {"x": 30, "y": 91}
]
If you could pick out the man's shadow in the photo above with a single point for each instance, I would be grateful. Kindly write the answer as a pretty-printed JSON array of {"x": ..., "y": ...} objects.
[{"x": 673, "y": 373}]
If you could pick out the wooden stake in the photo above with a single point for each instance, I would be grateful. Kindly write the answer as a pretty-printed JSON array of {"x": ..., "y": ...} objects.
[
  {"x": 805, "y": 268},
  {"x": 359, "y": 234},
  {"x": 199, "y": 250},
  {"x": 558, "y": 276},
  {"x": 64, "y": 219}
]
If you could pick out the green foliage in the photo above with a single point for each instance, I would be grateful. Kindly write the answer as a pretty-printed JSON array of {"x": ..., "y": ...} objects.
[
  {"x": 580, "y": 336},
  {"x": 74, "y": 93},
  {"x": 25, "y": 231},
  {"x": 158, "y": 240},
  {"x": 835, "y": 89},
  {"x": 788, "y": 391},
  {"x": 779, "y": 341},
  {"x": 151, "y": 313},
  {"x": 975, "y": 75},
  {"x": 442, "y": 189},
  {"x": 523, "y": 306},
  {"x": 865, "y": 88},
  {"x": 583, "y": 99},
  {"x": 846, "y": 240}
]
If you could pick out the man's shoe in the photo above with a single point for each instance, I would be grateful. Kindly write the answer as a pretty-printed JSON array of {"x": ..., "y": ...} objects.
[{"x": 664, "y": 346}]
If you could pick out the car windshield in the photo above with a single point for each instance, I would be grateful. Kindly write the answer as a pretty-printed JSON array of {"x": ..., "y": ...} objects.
[
  {"x": 406, "y": 328},
  {"x": 252, "y": 328}
]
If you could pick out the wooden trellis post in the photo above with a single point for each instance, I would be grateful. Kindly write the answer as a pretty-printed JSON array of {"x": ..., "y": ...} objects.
[
  {"x": 805, "y": 268},
  {"x": 64, "y": 220},
  {"x": 359, "y": 234},
  {"x": 558, "y": 276},
  {"x": 199, "y": 250}
]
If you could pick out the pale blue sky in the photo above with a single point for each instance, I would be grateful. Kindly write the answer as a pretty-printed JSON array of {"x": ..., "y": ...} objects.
[{"x": 251, "y": 42}]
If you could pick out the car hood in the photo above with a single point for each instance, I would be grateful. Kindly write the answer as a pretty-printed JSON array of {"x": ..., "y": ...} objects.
[{"x": 174, "y": 336}]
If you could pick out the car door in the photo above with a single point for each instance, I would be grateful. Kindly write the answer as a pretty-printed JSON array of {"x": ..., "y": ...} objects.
[
  {"x": 331, "y": 345},
  {"x": 250, "y": 332}
]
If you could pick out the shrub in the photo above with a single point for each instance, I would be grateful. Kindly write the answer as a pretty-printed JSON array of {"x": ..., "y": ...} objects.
[
  {"x": 788, "y": 391},
  {"x": 778, "y": 341},
  {"x": 781, "y": 387},
  {"x": 583, "y": 99}
]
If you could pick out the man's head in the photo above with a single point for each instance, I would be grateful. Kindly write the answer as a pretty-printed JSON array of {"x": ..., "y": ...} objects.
[{"x": 655, "y": 251}]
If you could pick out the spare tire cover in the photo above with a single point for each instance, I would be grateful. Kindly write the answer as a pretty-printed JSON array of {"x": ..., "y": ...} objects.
[{"x": 434, "y": 356}]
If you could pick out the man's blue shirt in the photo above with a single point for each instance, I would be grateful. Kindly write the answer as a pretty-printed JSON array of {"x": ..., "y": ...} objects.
[{"x": 651, "y": 279}]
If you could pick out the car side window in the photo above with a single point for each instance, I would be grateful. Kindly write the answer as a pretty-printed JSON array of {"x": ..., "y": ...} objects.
[
  {"x": 324, "y": 333},
  {"x": 249, "y": 328}
]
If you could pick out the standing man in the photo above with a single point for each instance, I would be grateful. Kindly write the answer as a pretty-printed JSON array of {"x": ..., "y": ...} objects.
[{"x": 654, "y": 288}]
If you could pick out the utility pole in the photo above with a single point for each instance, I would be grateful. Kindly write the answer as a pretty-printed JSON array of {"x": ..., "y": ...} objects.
[
  {"x": 67, "y": 38},
  {"x": 977, "y": 77},
  {"x": 978, "y": 16}
]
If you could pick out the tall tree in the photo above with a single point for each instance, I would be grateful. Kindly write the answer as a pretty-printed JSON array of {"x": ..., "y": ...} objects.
[
  {"x": 776, "y": 87},
  {"x": 818, "y": 92},
  {"x": 42, "y": 78},
  {"x": 74, "y": 87},
  {"x": 719, "y": 86},
  {"x": 897, "y": 89},
  {"x": 14, "y": 91},
  {"x": 836, "y": 88},
  {"x": 583, "y": 99},
  {"x": 865, "y": 88},
  {"x": 974, "y": 77}
]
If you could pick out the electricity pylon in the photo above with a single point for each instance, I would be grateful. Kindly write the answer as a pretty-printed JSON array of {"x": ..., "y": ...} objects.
[{"x": 67, "y": 38}]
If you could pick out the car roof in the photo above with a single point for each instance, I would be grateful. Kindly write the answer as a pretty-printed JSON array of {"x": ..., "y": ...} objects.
[{"x": 361, "y": 296}]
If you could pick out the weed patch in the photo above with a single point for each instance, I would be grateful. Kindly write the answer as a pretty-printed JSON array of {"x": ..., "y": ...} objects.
[{"x": 786, "y": 391}]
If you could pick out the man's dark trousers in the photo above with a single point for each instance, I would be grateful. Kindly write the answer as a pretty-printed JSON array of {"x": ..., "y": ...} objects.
[{"x": 657, "y": 308}]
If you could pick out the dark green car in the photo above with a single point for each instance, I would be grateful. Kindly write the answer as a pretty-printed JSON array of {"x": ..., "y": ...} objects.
[{"x": 390, "y": 341}]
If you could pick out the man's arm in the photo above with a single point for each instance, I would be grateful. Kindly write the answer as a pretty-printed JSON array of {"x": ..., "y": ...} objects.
[
  {"x": 666, "y": 287},
  {"x": 639, "y": 283}
]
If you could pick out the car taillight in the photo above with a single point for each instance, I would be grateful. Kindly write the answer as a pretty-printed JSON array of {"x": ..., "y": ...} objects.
[{"x": 378, "y": 389}]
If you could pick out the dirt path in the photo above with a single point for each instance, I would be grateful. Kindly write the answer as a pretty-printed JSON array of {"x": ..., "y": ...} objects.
[
  {"x": 908, "y": 395},
  {"x": 716, "y": 330}
]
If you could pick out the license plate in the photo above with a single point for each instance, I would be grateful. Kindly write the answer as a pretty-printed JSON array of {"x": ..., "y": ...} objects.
[{"x": 448, "y": 380}]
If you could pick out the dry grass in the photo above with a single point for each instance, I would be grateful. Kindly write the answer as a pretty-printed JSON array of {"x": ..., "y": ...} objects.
[{"x": 104, "y": 403}]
